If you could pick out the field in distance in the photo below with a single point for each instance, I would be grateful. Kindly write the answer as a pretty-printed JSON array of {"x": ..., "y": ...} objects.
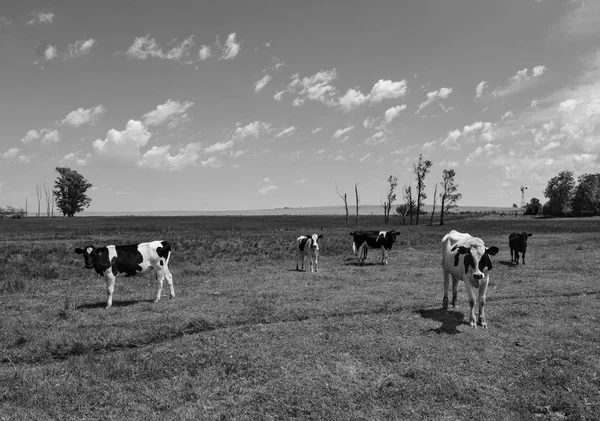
[{"x": 249, "y": 337}]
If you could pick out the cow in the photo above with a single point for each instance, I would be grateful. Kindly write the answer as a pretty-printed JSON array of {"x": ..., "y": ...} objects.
[
  {"x": 308, "y": 245},
  {"x": 467, "y": 258},
  {"x": 130, "y": 260},
  {"x": 383, "y": 240},
  {"x": 518, "y": 244}
]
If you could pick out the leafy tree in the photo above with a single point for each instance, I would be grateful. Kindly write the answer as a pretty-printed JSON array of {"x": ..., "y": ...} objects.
[
  {"x": 391, "y": 197},
  {"x": 70, "y": 190},
  {"x": 449, "y": 194},
  {"x": 586, "y": 199},
  {"x": 421, "y": 170},
  {"x": 559, "y": 192},
  {"x": 533, "y": 207},
  {"x": 409, "y": 205}
]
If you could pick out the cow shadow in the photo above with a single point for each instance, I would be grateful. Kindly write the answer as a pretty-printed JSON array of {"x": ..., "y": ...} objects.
[
  {"x": 356, "y": 263},
  {"x": 505, "y": 263},
  {"x": 450, "y": 319},
  {"x": 102, "y": 304}
]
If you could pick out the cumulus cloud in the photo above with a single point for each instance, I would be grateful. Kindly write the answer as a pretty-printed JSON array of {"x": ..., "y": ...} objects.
[
  {"x": 442, "y": 93},
  {"x": 314, "y": 88},
  {"x": 507, "y": 115},
  {"x": 521, "y": 80},
  {"x": 381, "y": 90},
  {"x": 10, "y": 153},
  {"x": 341, "y": 132},
  {"x": 4, "y": 21},
  {"x": 394, "y": 112},
  {"x": 219, "y": 147},
  {"x": 171, "y": 112},
  {"x": 123, "y": 145},
  {"x": 46, "y": 136},
  {"x": 82, "y": 116},
  {"x": 482, "y": 151},
  {"x": 261, "y": 83},
  {"x": 50, "y": 53},
  {"x": 42, "y": 17},
  {"x": 266, "y": 186},
  {"x": 317, "y": 130},
  {"x": 253, "y": 129},
  {"x": 567, "y": 106},
  {"x": 480, "y": 88},
  {"x": 478, "y": 131},
  {"x": 161, "y": 157},
  {"x": 204, "y": 53},
  {"x": 285, "y": 132},
  {"x": 376, "y": 139},
  {"x": 77, "y": 158},
  {"x": 278, "y": 95},
  {"x": 231, "y": 48},
  {"x": 81, "y": 48},
  {"x": 145, "y": 47},
  {"x": 370, "y": 122}
]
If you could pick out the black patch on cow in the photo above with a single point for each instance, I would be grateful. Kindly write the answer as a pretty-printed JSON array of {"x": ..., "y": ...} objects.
[
  {"x": 128, "y": 260},
  {"x": 164, "y": 250},
  {"x": 484, "y": 262},
  {"x": 303, "y": 242},
  {"x": 374, "y": 240},
  {"x": 469, "y": 262},
  {"x": 100, "y": 258}
]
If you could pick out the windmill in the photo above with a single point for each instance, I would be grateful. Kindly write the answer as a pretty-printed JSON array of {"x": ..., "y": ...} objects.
[{"x": 523, "y": 188}]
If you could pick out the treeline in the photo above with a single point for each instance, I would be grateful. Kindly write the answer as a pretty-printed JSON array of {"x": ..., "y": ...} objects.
[
  {"x": 568, "y": 196},
  {"x": 12, "y": 212}
]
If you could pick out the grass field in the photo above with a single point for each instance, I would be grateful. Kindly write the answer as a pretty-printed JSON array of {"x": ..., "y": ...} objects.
[{"x": 248, "y": 337}]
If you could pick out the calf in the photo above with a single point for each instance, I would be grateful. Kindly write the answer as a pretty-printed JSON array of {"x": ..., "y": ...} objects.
[
  {"x": 375, "y": 239},
  {"x": 467, "y": 258},
  {"x": 518, "y": 244},
  {"x": 130, "y": 260},
  {"x": 308, "y": 245}
]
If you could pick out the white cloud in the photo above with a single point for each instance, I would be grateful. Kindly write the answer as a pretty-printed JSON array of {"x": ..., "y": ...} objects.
[
  {"x": 278, "y": 95},
  {"x": 317, "y": 130},
  {"x": 77, "y": 158},
  {"x": 478, "y": 131},
  {"x": 204, "y": 53},
  {"x": 534, "y": 103},
  {"x": 42, "y": 17},
  {"x": 442, "y": 93},
  {"x": 80, "y": 48},
  {"x": 123, "y": 145},
  {"x": 160, "y": 157},
  {"x": 567, "y": 106},
  {"x": 285, "y": 132},
  {"x": 261, "y": 83},
  {"x": 581, "y": 21},
  {"x": 266, "y": 186},
  {"x": 219, "y": 147},
  {"x": 50, "y": 53},
  {"x": 365, "y": 157},
  {"x": 507, "y": 115},
  {"x": 340, "y": 132},
  {"x": 315, "y": 88},
  {"x": 173, "y": 112},
  {"x": 480, "y": 88},
  {"x": 50, "y": 136},
  {"x": 521, "y": 80},
  {"x": 30, "y": 136},
  {"x": 394, "y": 112},
  {"x": 10, "y": 153},
  {"x": 144, "y": 47},
  {"x": 82, "y": 116},
  {"x": 376, "y": 139},
  {"x": 382, "y": 89},
  {"x": 231, "y": 48},
  {"x": 370, "y": 122},
  {"x": 4, "y": 21},
  {"x": 482, "y": 151},
  {"x": 253, "y": 129},
  {"x": 353, "y": 98}
]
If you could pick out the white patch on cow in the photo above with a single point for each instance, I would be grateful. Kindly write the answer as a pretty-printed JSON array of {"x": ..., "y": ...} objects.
[{"x": 89, "y": 250}]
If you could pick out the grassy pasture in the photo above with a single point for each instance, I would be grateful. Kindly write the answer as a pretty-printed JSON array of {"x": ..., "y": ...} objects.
[{"x": 248, "y": 337}]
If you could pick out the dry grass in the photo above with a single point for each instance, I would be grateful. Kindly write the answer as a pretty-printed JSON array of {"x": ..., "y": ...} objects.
[{"x": 248, "y": 337}]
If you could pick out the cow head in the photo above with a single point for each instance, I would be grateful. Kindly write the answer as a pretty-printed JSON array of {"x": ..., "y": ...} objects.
[
  {"x": 89, "y": 255},
  {"x": 390, "y": 236},
  {"x": 476, "y": 259},
  {"x": 315, "y": 241},
  {"x": 522, "y": 239}
]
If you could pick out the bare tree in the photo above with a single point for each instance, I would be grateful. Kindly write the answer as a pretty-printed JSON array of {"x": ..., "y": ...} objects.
[
  {"x": 449, "y": 194},
  {"x": 390, "y": 198},
  {"x": 357, "y": 201},
  {"x": 409, "y": 202},
  {"x": 38, "y": 192},
  {"x": 434, "y": 202},
  {"x": 421, "y": 170},
  {"x": 345, "y": 199},
  {"x": 49, "y": 196}
]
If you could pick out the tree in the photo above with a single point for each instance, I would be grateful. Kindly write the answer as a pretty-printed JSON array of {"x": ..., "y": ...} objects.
[
  {"x": 434, "y": 202},
  {"x": 70, "y": 190},
  {"x": 586, "y": 199},
  {"x": 390, "y": 198},
  {"x": 533, "y": 207},
  {"x": 409, "y": 203},
  {"x": 449, "y": 194},
  {"x": 559, "y": 192},
  {"x": 38, "y": 192},
  {"x": 49, "y": 196},
  {"x": 345, "y": 199},
  {"x": 421, "y": 170},
  {"x": 357, "y": 201}
]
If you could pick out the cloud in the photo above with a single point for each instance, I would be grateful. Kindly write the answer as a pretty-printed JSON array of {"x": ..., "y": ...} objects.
[
  {"x": 341, "y": 132},
  {"x": 145, "y": 47},
  {"x": 266, "y": 186},
  {"x": 581, "y": 21},
  {"x": 50, "y": 53},
  {"x": 507, "y": 115},
  {"x": 81, "y": 48},
  {"x": 478, "y": 131},
  {"x": 78, "y": 158},
  {"x": 442, "y": 93},
  {"x": 123, "y": 145},
  {"x": 219, "y": 147},
  {"x": 261, "y": 83},
  {"x": 4, "y": 21},
  {"x": 317, "y": 130},
  {"x": 82, "y": 116},
  {"x": 285, "y": 132},
  {"x": 534, "y": 103},
  {"x": 365, "y": 157},
  {"x": 30, "y": 136},
  {"x": 370, "y": 122},
  {"x": 482, "y": 151},
  {"x": 231, "y": 48},
  {"x": 46, "y": 136},
  {"x": 521, "y": 80},
  {"x": 278, "y": 95},
  {"x": 314, "y": 88},
  {"x": 382, "y": 89},
  {"x": 253, "y": 129},
  {"x": 393, "y": 112},
  {"x": 42, "y": 17},
  {"x": 567, "y": 106},
  {"x": 376, "y": 139},
  {"x": 480, "y": 88},
  {"x": 161, "y": 158},
  {"x": 10, "y": 153},
  {"x": 171, "y": 112},
  {"x": 204, "y": 53}
]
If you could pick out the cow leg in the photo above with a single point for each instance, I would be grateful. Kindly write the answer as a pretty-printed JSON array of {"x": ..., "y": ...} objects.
[
  {"x": 169, "y": 278},
  {"x": 160, "y": 277},
  {"x": 523, "y": 255},
  {"x": 362, "y": 254},
  {"x": 454, "y": 291},
  {"x": 511, "y": 256},
  {"x": 316, "y": 262},
  {"x": 482, "y": 291},
  {"x": 384, "y": 258},
  {"x": 110, "y": 286},
  {"x": 446, "y": 286},
  {"x": 471, "y": 295}
]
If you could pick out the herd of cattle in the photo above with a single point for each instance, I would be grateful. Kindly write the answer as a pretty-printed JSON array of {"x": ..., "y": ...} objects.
[{"x": 464, "y": 258}]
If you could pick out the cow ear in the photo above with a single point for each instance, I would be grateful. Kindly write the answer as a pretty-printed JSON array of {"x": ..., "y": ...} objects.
[
  {"x": 320, "y": 236},
  {"x": 529, "y": 235},
  {"x": 492, "y": 250},
  {"x": 78, "y": 250}
]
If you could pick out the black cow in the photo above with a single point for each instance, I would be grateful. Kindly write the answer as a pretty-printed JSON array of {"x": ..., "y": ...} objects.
[
  {"x": 375, "y": 239},
  {"x": 518, "y": 244},
  {"x": 110, "y": 261}
]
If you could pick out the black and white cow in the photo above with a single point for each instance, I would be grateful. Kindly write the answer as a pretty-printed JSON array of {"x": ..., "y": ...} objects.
[
  {"x": 467, "y": 258},
  {"x": 518, "y": 244},
  {"x": 383, "y": 240},
  {"x": 308, "y": 245},
  {"x": 130, "y": 260}
]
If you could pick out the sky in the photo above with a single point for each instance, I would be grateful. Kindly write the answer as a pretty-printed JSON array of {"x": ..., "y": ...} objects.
[{"x": 225, "y": 105}]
